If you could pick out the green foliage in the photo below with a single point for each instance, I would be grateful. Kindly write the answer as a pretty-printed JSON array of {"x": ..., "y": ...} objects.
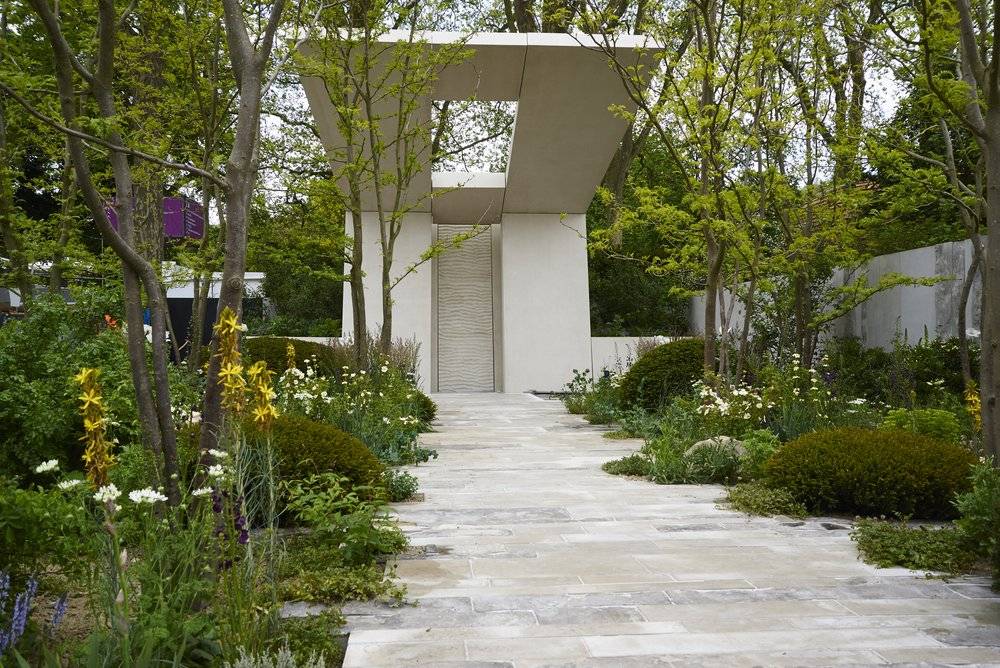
[
  {"x": 305, "y": 448},
  {"x": 713, "y": 462},
  {"x": 45, "y": 531},
  {"x": 635, "y": 464},
  {"x": 636, "y": 422},
  {"x": 377, "y": 407},
  {"x": 349, "y": 516},
  {"x": 668, "y": 465},
  {"x": 399, "y": 485},
  {"x": 979, "y": 525},
  {"x": 39, "y": 356},
  {"x": 921, "y": 374},
  {"x": 758, "y": 447},
  {"x": 326, "y": 360},
  {"x": 285, "y": 325},
  {"x": 663, "y": 373},
  {"x": 755, "y": 498},
  {"x": 323, "y": 583},
  {"x": 597, "y": 400},
  {"x": 308, "y": 638},
  {"x": 888, "y": 544},
  {"x": 867, "y": 472},
  {"x": 424, "y": 407},
  {"x": 933, "y": 422},
  {"x": 299, "y": 247}
]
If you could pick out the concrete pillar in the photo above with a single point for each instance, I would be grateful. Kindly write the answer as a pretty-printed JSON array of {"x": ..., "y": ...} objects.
[
  {"x": 545, "y": 300},
  {"x": 411, "y": 316}
]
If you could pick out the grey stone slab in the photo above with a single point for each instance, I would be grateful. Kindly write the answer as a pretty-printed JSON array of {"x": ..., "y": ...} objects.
[{"x": 535, "y": 557}]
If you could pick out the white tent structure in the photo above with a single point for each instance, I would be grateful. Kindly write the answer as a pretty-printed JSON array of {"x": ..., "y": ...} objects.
[{"x": 509, "y": 309}]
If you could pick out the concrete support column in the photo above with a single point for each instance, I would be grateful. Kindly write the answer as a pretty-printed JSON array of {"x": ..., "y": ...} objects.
[
  {"x": 411, "y": 316},
  {"x": 545, "y": 300}
]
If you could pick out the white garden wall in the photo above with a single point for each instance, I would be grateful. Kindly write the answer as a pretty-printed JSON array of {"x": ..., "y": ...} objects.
[{"x": 911, "y": 312}]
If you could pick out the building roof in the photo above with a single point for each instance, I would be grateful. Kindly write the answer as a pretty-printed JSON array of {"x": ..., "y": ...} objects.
[{"x": 565, "y": 133}]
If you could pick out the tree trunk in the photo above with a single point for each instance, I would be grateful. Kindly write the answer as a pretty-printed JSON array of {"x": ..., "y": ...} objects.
[
  {"x": 65, "y": 223},
  {"x": 990, "y": 371},
  {"x": 963, "y": 303},
  {"x": 360, "y": 331}
]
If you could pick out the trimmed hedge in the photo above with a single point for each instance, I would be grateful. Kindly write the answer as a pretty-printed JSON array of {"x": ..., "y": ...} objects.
[
  {"x": 330, "y": 361},
  {"x": 664, "y": 372},
  {"x": 872, "y": 473},
  {"x": 424, "y": 407},
  {"x": 305, "y": 448}
]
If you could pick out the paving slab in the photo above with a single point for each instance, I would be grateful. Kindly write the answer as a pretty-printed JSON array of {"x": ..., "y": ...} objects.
[{"x": 535, "y": 557}]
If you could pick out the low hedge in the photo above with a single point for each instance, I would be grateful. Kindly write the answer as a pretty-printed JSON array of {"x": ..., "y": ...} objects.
[
  {"x": 330, "y": 361},
  {"x": 664, "y": 372},
  {"x": 304, "y": 448},
  {"x": 872, "y": 472},
  {"x": 424, "y": 407}
]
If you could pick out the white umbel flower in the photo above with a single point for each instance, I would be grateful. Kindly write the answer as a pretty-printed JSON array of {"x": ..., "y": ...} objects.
[
  {"x": 147, "y": 495},
  {"x": 216, "y": 471},
  {"x": 202, "y": 491},
  {"x": 45, "y": 467},
  {"x": 69, "y": 484},
  {"x": 107, "y": 493}
]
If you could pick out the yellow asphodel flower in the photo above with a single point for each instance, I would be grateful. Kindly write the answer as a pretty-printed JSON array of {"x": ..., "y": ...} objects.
[
  {"x": 97, "y": 455},
  {"x": 91, "y": 397},
  {"x": 974, "y": 406},
  {"x": 290, "y": 356}
]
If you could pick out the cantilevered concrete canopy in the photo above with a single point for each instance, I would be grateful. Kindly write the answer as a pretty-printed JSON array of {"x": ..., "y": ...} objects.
[
  {"x": 509, "y": 309},
  {"x": 564, "y": 134}
]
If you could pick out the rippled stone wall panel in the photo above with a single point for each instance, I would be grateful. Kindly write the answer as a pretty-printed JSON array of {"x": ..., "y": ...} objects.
[{"x": 465, "y": 313}]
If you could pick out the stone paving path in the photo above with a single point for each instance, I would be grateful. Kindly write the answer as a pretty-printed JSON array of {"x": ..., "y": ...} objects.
[{"x": 535, "y": 557}]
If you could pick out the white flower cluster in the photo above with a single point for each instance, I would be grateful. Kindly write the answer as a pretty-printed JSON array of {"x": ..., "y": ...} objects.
[
  {"x": 147, "y": 495},
  {"x": 107, "y": 494},
  {"x": 737, "y": 401},
  {"x": 45, "y": 467}
]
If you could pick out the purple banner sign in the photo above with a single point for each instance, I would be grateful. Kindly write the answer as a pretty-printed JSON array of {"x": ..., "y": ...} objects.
[{"x": 182, "y": 217}]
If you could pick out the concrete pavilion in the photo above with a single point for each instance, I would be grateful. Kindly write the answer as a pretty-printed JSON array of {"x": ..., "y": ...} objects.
[{"x": 509, "y": 310}]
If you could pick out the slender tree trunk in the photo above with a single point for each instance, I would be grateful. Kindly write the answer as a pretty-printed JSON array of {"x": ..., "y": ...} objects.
[
  {"x": 65, "y": 223},
  {"x": 357, "y": 275},
  {"x": 963, "y": 304},
  {"x": 990, "y": 372}
]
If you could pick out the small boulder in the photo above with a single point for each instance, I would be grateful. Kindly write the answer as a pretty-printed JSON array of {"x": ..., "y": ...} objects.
[{"x": 719, "y": 442}]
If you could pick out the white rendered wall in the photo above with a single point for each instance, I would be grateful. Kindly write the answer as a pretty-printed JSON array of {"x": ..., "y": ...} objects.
[
  {"x": 545, "y": 331},
  {"x": 411, "y": 314},
  {"x": 618, "y": 352},
  {"x": 906, "y": 311}
]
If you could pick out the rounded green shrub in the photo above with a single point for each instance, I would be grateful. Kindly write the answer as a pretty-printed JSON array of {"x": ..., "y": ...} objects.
[
  {"x": 934, "y": 422},
  {"x": 663, "y": 373},
  {"x": 329, "y": 360},
  {"x": 424, "y": 407},
  {"x": 305, "y": 448},
  {"x": 869, "y": 472}
]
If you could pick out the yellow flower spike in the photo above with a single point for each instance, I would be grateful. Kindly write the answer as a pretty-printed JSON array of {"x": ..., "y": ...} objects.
[
  {"x": 97, "y": 455},
  {"x": 974, "y": 406},
  {"x": 290, "y": 355}
]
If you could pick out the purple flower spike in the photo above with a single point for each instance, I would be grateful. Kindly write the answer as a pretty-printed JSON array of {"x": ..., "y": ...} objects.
[
  {"x": 59, "y": 611},
  {"x": 4, "y": 590}
]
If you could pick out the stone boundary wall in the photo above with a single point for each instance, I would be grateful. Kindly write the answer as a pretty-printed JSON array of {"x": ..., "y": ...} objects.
[{"x": 909, "y": 312}]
